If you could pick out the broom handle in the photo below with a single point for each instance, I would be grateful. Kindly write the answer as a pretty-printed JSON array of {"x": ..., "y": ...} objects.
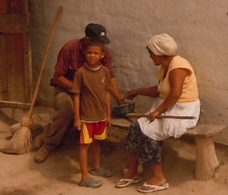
[
  {"x": 160, "y": 116},
  {"x": 44, "y": 61}
]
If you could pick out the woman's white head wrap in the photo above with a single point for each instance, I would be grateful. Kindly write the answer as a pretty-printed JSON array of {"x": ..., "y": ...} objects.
[{"x": 162, "y": 44}]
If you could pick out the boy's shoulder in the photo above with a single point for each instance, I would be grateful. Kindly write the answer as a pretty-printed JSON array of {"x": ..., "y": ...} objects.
[
  {"x": 105, "y": 68},
  {"x": 80, "y": 70}
]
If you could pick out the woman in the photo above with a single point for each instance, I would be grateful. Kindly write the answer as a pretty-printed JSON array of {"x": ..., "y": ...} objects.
[{"x": 177, "y": 94}]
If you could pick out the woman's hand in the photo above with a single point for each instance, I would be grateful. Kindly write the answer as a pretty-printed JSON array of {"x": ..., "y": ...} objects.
[
  {"x": 152, "y": 116},
  {"x": 78, "y": 124},
  {"x": 131, "y": 94}
]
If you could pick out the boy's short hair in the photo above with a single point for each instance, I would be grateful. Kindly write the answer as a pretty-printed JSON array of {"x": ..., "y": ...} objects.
[{"x": 95, "y": 42}]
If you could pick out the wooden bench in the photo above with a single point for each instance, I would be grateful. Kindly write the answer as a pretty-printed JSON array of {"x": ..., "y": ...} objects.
[{"x": 206, "y": 159}]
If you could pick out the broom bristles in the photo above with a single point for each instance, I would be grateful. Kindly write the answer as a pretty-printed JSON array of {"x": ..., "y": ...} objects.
[{"x": 20, "y": 143}]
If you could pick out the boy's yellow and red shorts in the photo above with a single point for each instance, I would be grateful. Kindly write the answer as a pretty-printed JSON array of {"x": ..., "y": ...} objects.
[{"x": 91, "y": 131}]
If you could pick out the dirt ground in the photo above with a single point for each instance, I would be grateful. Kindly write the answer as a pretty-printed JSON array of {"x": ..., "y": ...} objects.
[{"x": 60, "y": 173}]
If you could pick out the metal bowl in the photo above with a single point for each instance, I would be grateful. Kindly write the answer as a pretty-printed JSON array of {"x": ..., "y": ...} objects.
[{"x": 122, "y": 110}]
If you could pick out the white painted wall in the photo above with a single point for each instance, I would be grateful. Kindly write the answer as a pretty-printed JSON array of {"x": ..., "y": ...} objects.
[{"x": 200, "y": 29}]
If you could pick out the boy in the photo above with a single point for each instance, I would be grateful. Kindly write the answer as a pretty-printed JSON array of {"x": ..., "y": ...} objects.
[
  {"x": 70, "y": 58},
  {"x": 92, "y": 110}
]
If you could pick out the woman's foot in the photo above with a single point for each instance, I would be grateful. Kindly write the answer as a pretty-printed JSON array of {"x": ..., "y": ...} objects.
[
  {"x": 131, "y": 177},
  {"x": 156, "y": 181},
  {"x": 126, "y": 182},
  {"x": 146, "y": 187}
]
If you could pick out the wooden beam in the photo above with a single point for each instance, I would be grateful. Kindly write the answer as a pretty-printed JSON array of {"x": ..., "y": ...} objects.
[
  {"x": 4, "y": 8},
  {"x": 28, "y": 93},
  {"x": 205, "y": 130},
  {"x": 3, "y": 70},
  {"x": 11, "y": 23},
  {"x": 10, "y": 104}
]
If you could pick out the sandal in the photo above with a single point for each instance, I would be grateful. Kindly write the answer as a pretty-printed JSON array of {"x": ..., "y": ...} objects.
[
  {"x": 127, "y": 182},
  {"x": 101, "y": 172},
  {"x": 146, "y": 188},
  {"x": 92, "y": 183}
]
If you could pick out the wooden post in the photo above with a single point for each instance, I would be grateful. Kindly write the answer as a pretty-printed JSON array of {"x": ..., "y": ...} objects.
[{"x": 206, "y": 159}]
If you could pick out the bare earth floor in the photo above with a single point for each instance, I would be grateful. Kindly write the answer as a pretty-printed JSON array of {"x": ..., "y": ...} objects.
[{"x": 60, "y": 174}]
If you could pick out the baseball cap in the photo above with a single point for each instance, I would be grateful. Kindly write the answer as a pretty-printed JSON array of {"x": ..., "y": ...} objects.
[{"x": 97, "y": 30}]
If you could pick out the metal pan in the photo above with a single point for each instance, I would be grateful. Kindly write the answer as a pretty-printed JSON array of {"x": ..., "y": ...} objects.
[{"x": 122, "y": 110}]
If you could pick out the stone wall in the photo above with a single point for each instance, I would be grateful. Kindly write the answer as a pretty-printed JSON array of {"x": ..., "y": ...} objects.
[{"x": 199, "y": 28}]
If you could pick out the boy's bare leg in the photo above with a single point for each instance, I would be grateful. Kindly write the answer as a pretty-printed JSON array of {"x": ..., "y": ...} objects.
[
  {"x": 83, "y": 159},
  {"x": 96, "y": 154}
]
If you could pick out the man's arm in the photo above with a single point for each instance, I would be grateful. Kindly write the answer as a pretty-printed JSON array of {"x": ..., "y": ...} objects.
[{"x": 61, "y": 81}]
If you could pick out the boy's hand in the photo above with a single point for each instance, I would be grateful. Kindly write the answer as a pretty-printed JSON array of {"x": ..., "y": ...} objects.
[
  {"x": 121, "y": 101},
  {"x": 108, "y": 121},
  {"x": 78, "y": 124}
]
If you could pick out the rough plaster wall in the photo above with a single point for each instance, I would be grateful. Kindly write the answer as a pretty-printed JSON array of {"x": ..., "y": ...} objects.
[{"x": 199, "y": 28}]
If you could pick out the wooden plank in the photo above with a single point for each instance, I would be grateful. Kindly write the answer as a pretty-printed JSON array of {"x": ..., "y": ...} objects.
[
  {"x": 27, "y": 59},
  {"x": 4, "y": 8},
  {"x": 15, "y": 67},
  {"x": 11, "y": 23},
  {"x": 2, "y": 62},
  {"x": 15, "y": 61},
  {"x": 11, "y": 104},
  {"x": 18, "y": 6},
  {"x": 122, "y": 122},
  {"x": 3, "y": 70},
  {"x": 205, "y": 130}
]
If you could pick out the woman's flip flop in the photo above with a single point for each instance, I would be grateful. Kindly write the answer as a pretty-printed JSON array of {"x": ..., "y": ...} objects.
[
  {"x": 146, "y": 188},
  {"x": 127, "y": 182}
]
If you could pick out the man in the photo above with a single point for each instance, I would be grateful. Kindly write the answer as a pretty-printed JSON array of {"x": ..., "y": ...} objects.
[{"x": 71, "y": 57}]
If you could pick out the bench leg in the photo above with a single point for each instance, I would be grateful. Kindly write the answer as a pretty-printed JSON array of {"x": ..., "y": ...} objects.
[{"x": 206, "y": 159}]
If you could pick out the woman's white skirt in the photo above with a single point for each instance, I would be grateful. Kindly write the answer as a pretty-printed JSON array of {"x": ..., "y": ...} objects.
[{"x": 160, "y": 129}]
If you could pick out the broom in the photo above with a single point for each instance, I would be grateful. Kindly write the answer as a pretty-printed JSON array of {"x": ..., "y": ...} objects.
[{"x": 21, "y": 141}]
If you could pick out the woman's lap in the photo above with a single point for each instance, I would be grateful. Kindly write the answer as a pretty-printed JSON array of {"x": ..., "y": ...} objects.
[
  {"x": 143, "y": 147},
  {"x": 162, "y": 129}
]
